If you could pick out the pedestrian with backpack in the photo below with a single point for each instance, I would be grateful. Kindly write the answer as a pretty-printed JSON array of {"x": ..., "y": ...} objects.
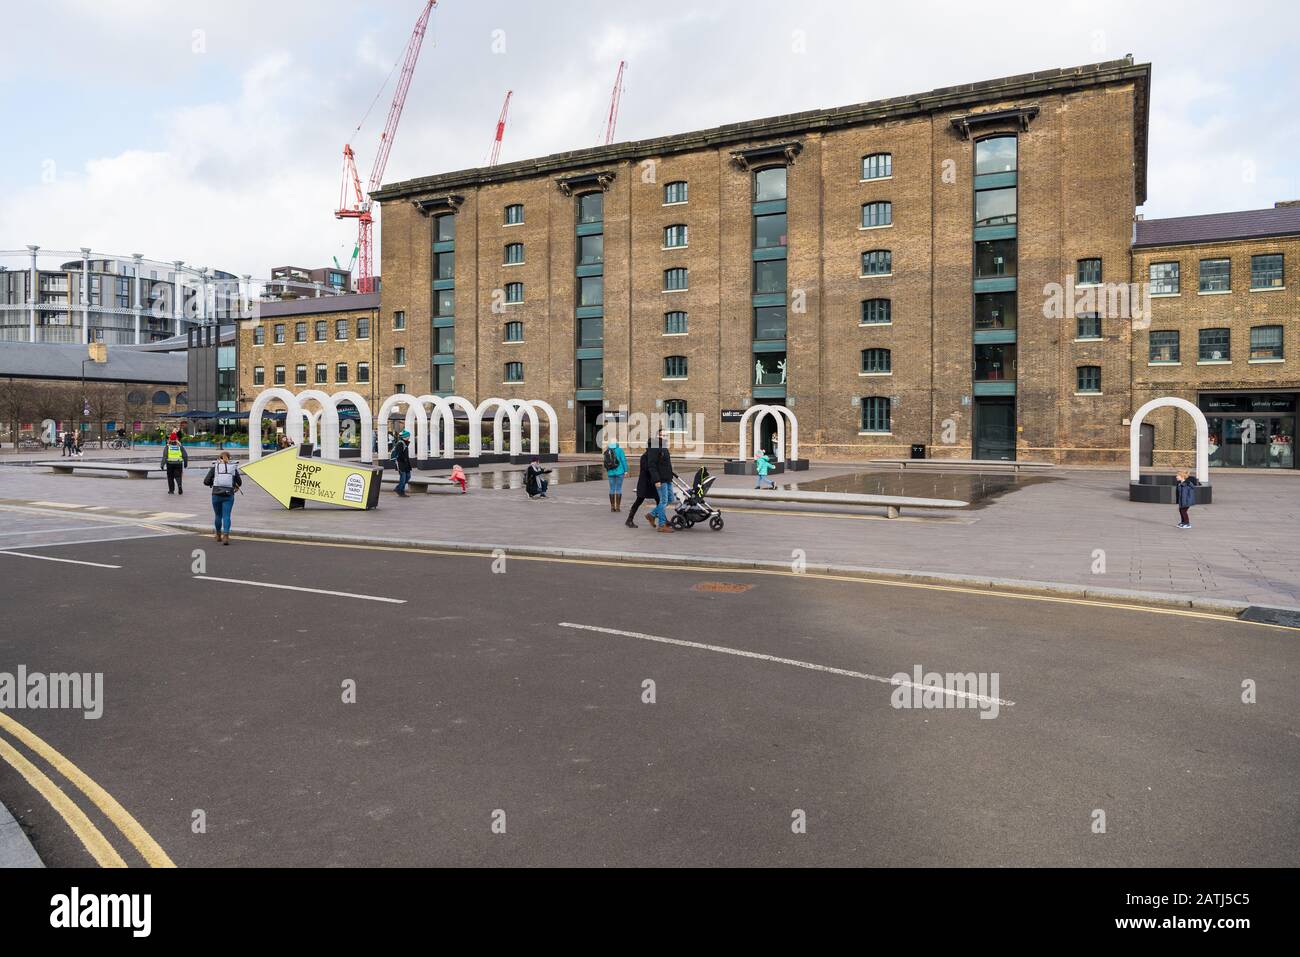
[
  {"x": 402, "y": 461},
  {"x": 615, "y": 462},
  {"x": 225, "y": 480}
]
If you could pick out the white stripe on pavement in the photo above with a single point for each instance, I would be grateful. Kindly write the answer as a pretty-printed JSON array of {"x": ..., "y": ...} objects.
[
  {"x": 48, "y": 531},
  {"x": 721, "y": 649},
  {"x": 49, "y": 558},
  {"x": 89, "y": 541},
  {"x": 314, "y": 591}
]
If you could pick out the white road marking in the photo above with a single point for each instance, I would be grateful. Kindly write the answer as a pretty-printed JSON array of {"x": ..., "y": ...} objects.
[
  {"x": 88, "y": 541},
  {"x": 43, "y": 531},
  {"x": 314, "y": 591},
  {"x": 48, "y": 558},
  {"x": 721, "y": 649}
]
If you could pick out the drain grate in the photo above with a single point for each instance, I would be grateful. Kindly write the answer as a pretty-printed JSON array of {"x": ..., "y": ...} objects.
[
  {"x": 731, "y": 587},
  {"x": 1285, "y": 617}
]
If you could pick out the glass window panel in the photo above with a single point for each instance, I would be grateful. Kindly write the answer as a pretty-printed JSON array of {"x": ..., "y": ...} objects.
[
  {"x": 995, "y": 155},
  {"x": 994, "y": 258},
  {"x": 995, "y": 362},
  {"x": 769, "y": 184},
  {"x": 1164, "y": 346},
  {"x": 995, "y": 310},
  {"x": 995, "y": 207},
  {"x": 769, "y": 322},
  {"x": 591, "y": 250},
  {"x": 591, "y": 290},
  {"x": 1216, "y": 275},
  {"x": 770, "y": 231},
  {"x": 591, "y": 207}
]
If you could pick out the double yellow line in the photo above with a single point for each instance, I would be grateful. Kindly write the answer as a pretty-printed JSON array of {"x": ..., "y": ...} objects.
[{"x": 99, "y": 847}]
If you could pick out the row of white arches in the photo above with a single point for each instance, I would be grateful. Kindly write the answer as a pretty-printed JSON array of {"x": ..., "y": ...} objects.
[{"x": 429, "y": 418}]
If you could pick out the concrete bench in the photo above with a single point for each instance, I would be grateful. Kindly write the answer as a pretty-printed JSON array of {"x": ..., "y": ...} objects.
[
  {"x": 424, "y": 484},
  {"x": 893, "y": 504},
  {"x": 133, "y": 470},
  {"x": 964, "y": 465}
]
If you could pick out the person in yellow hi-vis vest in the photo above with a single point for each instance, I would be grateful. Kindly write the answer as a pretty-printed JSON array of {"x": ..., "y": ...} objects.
[{"x": 174, "y": 460}]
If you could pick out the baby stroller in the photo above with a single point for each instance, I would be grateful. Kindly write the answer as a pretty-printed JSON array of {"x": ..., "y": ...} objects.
[{"x": 691, "y": 506}]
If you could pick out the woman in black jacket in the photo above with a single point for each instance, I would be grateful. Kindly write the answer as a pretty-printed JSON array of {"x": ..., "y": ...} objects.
[{"x": 645, "y": 485}]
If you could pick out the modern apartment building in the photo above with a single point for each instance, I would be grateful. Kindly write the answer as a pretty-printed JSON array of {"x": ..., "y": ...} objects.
[
  {"x": 879, "y": 269},
  {"x": 1224, "y": 332}
]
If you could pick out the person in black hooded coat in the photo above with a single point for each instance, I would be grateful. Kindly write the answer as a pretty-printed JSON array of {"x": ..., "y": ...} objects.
[{"x": 646, "y": 488}]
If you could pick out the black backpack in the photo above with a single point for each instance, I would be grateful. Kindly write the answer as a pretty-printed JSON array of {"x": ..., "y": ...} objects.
[{"x": 610, "y": 459}]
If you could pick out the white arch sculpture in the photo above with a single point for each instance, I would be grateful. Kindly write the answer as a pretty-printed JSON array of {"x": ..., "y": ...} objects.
[
  {"x": 502, "y": 406},
  {"x": 414, "y": 418},
  {"x": 292, "y": 419},
  {"x": 552, "y": 426},
  {"x": 437, "y": 406},
  {"x": 324, "y": 424},
  {"x": 367, "y": 423},
  {"x": 1202, "y": 437},
  {"x": 761, "y": 412},
  {"x": 446, "y": 412}
]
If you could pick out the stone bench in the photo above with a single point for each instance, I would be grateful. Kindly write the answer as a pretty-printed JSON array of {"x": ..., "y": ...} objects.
[
  {"x": 133, "y": 470},
  {"x": 423, "y": 483},
  {"x": 893, "y": 504},
  {"x": 964, "y": 465}
]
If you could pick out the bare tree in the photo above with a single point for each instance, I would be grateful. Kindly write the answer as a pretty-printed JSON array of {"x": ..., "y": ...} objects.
[
  {"x": 17, "y": 403},
  {"x": 104, "y": 402}
]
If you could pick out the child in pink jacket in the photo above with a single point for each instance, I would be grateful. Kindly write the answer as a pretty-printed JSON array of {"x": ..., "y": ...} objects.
[{"x": 458, "y": 476}]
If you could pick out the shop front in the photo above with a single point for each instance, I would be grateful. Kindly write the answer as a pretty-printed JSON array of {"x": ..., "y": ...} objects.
[{"x": 1255, "y": 430}]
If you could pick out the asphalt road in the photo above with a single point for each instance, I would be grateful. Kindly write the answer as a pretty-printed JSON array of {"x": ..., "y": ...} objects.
[{"x": 476, "y": 703}]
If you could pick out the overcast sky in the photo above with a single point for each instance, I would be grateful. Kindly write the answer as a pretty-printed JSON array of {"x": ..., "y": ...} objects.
[{"x": 212, "y": 131}]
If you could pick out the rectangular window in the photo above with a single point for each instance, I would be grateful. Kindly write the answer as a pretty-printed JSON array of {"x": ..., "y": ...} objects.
[
  {"x": 1266, "y": 271},
  {"x": 514, "y": 292},
  {"x": 675, "y": 367},
  {"x": 341, "y": 372},
  {"x": 399, "y": 320},
  {"x": 321, "y": 328},
  {"x": 1089, "y": 272},
  {"x": 340, "y": 329},
  {"x": 444, "y": 379},
  {"x": 399, "y": 356},
  {"x": 877, "y": 312},
  {"x": 675, "y": 412},
  {"x": 1216, "y": 275},
  {"x": 995, "y": 310},
  {"x": 514, "y": 372},
  {"x": 769, "y": 322},
  {"x": 875, "y": 414},
  {"x": 995, "y": 362},
  {"x": 770, "y": 231},
  {"x": 769, "y": 276},
  {"x": 878, "y": 262},
  {"x": 877, "y": 214},
  {"x": 591, "y": 374},
  {"x": 591, "y": 250},
  {"x": 514, "y": 254},
  {"x": 995, "y": 207},
  {"x": 363, "y": 372},
  {"x": 259, "y": 336},
  {"x": 591, "y": 332},
  {"x": 591, "y": 207},
  {"x": 445, "y": 228},
  {"x": 514, "y": 214},
  {"x": 995, "y": 258},
  {"x": 279, "y": 375},
  {"x": 878, "y": 166},
  {"x": 674, "y": 279},
  {"x": 675, "y": 193},
  {"x": 444, "y": 265},
  {"x": 300, "y": 375},
  {"x": 279, "y": 333},
  {"x": 514, "y": 332},
  {"x": 259, "y": 375},
  {"x": 1088, "y": 325},
  {"x": 363, "y": 328},
  {"x": 1163, "y": 346},
  {"x": 300, "y": 332},
  {"x": 769, "y": 184},
  {"x": 1266, "y": 342},
  {"x": 1215, "y": 345},
  {"x": 591, "y": 291},
  {"x": 876, "y": 361},
  {"x": 444, "y": 302},
  {"x": 444, "y": 340},
  {"x": 1164, "y": 279},
  {"x": 1089, "y": 379},
  {"x": 995, "y": 155},
  {"x": 322, "y": 373},
  {"x": 769, "y": 368},
  {"x": 675, "y": 324}
]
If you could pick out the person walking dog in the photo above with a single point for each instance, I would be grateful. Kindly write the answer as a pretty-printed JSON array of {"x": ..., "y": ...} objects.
[
  {"x": 1185, "y": 494},
  {"x": 224, "y": 480},
  {"x": 763, "y": 465},
  {"x": 174, "y": 462},
  {"x": 402, "y": 461},
  {"x": 615, "y": 462}
]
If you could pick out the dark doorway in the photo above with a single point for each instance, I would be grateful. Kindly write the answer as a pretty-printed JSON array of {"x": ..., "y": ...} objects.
[
  {"x": 767, "y": 432},
  {"x": 1147, "y": 445},
  {"x": 589, "y": 425},
  {"x": 995, "y": 429}
]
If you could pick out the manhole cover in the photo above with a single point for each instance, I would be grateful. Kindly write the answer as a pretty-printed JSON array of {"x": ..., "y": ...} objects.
[
  {"x": 1272, "y": 616},
  {"x": 721, "y": 586}
]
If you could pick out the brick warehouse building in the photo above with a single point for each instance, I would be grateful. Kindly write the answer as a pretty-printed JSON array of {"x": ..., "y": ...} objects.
[{"x": 866, "y": 266}]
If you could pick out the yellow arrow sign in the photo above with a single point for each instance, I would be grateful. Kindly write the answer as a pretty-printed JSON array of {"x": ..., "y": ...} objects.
[{"x": 286, "y": 478}]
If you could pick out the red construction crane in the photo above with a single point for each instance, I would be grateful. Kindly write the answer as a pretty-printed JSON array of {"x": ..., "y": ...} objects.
[
  {"x": 613, "y": 103},
  {"x": 360, "y": 207},
  {"x": 501, "y": 128}
]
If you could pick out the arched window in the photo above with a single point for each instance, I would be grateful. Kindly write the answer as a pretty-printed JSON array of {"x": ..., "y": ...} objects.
[
  {"x": 675, "y": 367},
  {"x": 675, "y": 279},
  {"x": 514, "y": 372},
  {"x": 514, "y": 254},
  {"x": 675, "y": 411},
  {"x": 675, "y": 236},
  {"x": 591, "y": 208},
  {"x": 182, "y": 398},
  {"x": 877, "y": 312},
  {"x": 876, "y": 362},
  {"x": 514, "y": 214},
  {"x": 997, "y": 154},
  {"x": 877, "y": 262},
  {"x": 135, "y": 397},
  {"x": 875, "y": 414},
  {"x": 161, "y": 398},
  {"x": 878, "y": 166},
  {"x": 675, "y": 323},
  {"x": 877, "y": 214},
  {"x": 514, "y": 332},
  {"x": 769, "y": 184},
  {"x": 675, "y": 192},
  {"x": 514, "y": 292}
]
